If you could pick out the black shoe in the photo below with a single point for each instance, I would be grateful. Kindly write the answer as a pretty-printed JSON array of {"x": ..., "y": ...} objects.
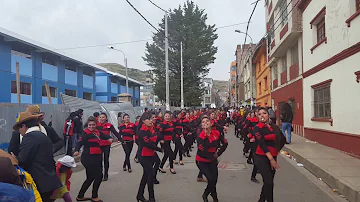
[
  {"x": 255, "y": 180},
  {"x": 172, "y": 171},
  {"x": 156, "y": 181},
  {"x": 106, "y": 177},
  {"x": 152, "y": 200},
  {"x": 124, "y": 169},
  {"x": 129, "y": 170},
  {"x": 205, "y": 197},
  {"x": 136, "y": 160},
  {"x": 249, "y": 162},
  {"x": 141, "y": 199},
  {"x": 188, "y": 155},
  {"x": 162, "y": 170}
]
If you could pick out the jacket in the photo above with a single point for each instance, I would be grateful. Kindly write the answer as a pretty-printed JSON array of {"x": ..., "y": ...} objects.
[
  {"x": 36, "y": 157},
  {"x": 147, "y": 142},
  {"x": 209, "y": 145},
  {"x": 13, "y": 193}
]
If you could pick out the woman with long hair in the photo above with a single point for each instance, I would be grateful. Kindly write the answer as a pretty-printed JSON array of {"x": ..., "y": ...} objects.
[
  {"x": 266, "y": 154},
  {"x": 210, "y": 146},
  {"x": 91, "y": 158},
  {"x": 106, "y": 128},
  {"x": 166, "y": 134},
  {"x": 127, "y": 131},
  {"x": 146, "y": 152}
]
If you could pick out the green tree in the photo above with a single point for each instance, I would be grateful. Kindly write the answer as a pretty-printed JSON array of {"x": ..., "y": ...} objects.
[{"x": 186, "y": 24}]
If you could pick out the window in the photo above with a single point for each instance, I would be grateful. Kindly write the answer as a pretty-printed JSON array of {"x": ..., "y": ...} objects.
[
  {"x": 88, "y": 71},
  {"x": 320, "y": 26},
  {"x": 284, "y": 64},
  {"x": 70, "y": 92},
  {"x": 284, "y": 13},
  {"x": 322, "y": 104},
  {"x": 275, "y": 72},
  {"x": 52, "y": 92},
  {"x": 87, "y": 96},
  {"x": 294, "y": 54},
  {"x": 114, "y": 99},
  {"x": 71, "y": 68},
  {"x": 260, "y": 88},
  {"x": 207, "y": 100},
  {"x": 266, "y": 83},
  {"x": 25, "y": 88},
  {"x": 113, "y": 79},
  {"x": 271, "y": 31}
]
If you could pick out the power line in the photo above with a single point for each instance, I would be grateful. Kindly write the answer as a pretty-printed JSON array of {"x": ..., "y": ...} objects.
[
  {"x": 93, "y": 46},
  {"x": 142, "y": 16},
  {"x": 157, "y": 6}
]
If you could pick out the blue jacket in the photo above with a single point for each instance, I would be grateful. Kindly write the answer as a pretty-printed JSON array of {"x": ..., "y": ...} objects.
[{"x": 14, "y": 193}]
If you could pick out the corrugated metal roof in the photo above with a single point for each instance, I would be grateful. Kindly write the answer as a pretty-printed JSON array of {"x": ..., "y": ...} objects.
[{"x": 11, "y": 35}]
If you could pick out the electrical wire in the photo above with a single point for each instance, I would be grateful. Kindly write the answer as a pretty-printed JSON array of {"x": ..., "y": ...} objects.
[
  {"x": 132, "y": 6},
  {"x": 93, "y": 46},
  {"x": 157, "y": 6}
]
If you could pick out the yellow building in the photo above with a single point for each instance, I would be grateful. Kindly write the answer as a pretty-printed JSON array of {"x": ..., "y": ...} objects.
[{"x": 263, "y": 74}]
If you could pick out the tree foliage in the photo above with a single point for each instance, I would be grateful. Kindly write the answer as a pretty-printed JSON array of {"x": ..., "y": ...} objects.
[{"x": 186, "y": 24}]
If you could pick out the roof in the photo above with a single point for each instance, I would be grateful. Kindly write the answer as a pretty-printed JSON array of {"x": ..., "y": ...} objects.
[
  {"x": 260, "y": 45},
  {"x": 9, "y": 35}
]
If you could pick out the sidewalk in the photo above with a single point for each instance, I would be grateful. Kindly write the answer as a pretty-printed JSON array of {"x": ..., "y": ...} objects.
[{"x": 339, "y": 170}]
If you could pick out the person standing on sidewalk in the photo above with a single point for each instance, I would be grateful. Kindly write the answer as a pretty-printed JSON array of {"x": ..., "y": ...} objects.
[
  {"x": 106, "y": 128},
  {"x": 78, "y": 125},
  {"x": 272, "y": 115},
  {"x": 147, "y": 147},
  {"x": 266, "y": 154},
  {"x": 91, "y": 159},
  {"x": 127, "y": 132},
  {"x": 286, "y": 121}
]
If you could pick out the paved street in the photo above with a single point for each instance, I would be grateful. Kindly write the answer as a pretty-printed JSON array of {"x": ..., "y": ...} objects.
[{"x": 292, "y": 183}]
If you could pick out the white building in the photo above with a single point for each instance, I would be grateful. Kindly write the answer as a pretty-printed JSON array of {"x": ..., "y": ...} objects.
[
  {"x": 207, "y": 84},
  {"x": 331, "y": 92}
]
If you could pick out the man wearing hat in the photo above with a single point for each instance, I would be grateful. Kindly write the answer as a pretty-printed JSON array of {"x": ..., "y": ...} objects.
[
  {"x": 16, "y": 138},
  {"x": 36, "y": 154}
]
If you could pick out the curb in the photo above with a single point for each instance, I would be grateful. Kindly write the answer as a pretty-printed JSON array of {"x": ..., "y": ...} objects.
[{"x": 350, "y": 194}]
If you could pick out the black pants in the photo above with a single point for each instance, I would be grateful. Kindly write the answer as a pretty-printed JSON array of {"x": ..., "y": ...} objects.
[
  {"x": 106, "y": 155},
  {"x": 69, "y": 142},
  {"x": 147, "y": 177},
  {"x": 46, "y": 197},
  {"x": 188, "y": 142},
  {"x": 156, "y": 166},
  {"x": 178, "y": 148},
  {"x": 200, "y": 175},
  {"x": 93, "y": 174},
  {"x": 128, "y": 146},
  {"x": 210, "y": 171},
  {"x": 168, "y": 154},
  {"x": 263, "y": 165}
]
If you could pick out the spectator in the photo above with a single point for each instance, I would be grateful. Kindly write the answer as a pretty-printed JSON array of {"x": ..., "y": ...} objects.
[
  {"x": 68, "y": 133},
  {"x": 78, "y": 125},
  {"x": 14, "y": 193},
  {"x": 120, "y": 118},
  {"x": 286, "y": 119},
  {"x": 36, "y": 155},
  {"x": 272, "y": 115}
]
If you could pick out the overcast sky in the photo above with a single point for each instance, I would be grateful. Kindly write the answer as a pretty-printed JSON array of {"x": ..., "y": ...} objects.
[{"x": 69, "y": 23}]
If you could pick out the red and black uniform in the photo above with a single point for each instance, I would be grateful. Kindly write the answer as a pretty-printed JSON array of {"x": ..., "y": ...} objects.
[
  {"x": 188, "y": 136},
  {"x": 209, "y": 147},
  {"x": 177, "y": 138},
  {"x": 136, "y": 137},
  {"x": 166, "y": 133},
  {"x": 91, "y": 158},
  {"x": 146, "y": 152},
  {"x": 127, "y": 131},
  {"x": 249, "y": 125},
  {"x": 266, "y": 142},
  {"x": 68, "y": 135},
  {"x": 107, "y": 128}
]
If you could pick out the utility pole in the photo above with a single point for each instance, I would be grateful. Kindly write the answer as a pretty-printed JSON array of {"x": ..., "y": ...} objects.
[
  {"x": 127, "y": 78},
  {"x": 167, "y": 63},
  {"x": 182, "y": 76}
]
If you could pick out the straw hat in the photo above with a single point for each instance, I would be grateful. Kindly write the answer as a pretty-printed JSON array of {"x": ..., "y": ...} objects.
[
  {"x": 33, "y": 109},
  {"x": 24, "y": 116}
]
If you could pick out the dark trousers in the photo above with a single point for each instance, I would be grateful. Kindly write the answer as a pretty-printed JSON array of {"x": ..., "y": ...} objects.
[
  {"x": 273, "y": 120},
  {"x": 106, "y": 155},
  {"x": 188, "y": 142},
  {"x": 168, "y": 154},
  {"x": 147, "y": 177},
  {"x": 93, "y": 175},
  {"x": 200, "y": 175},
  {"x": 263, "y": 165},
  {"x": 210, "y": 171},
  {"x": 178, "y": 148},
  {"x": 69, "y": 143},
  {"x": 156, "y": 166},
  {"x": 46, "y": 197},
  {"x": 128, "y": 146}
]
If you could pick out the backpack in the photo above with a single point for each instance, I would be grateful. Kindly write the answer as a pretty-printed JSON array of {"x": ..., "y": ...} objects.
[{"x": 28, "y": 183}]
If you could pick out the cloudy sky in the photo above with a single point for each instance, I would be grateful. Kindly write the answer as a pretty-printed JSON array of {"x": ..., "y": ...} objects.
[{"x": 68, "y": 23}]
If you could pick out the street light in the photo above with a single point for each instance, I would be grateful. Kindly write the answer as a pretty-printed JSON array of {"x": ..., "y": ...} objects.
[
  {"x": 238, "y": 31},
  {"x": 126, "y": 67}
]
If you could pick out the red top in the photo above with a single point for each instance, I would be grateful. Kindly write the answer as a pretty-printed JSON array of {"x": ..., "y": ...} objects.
[
  {"x": 265, "y": 139},
  {"x": 127, "y": 131}
]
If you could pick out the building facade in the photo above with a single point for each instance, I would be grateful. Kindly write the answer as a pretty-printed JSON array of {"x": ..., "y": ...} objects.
[
  {"x": 207, "y": 84},
  {"x": 284, "y": 50},
  {"x": 232, "y": 88},
  {"x": 331, "y": 48},
  {"x": 263, "y": 75},
  {"x": 38, "y": 64},
  {"x": 248, "y": 76},
  {"x": 239, "y": 80}
]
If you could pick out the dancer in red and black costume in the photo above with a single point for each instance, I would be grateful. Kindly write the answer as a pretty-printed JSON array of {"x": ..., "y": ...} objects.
[
  {"x": 91, "y": 158},
  {"x": 210, "y": 146},
  {"x": 156, "y": 158},
  {"x": 250, "y": 123},
  {"x": 147, "y": 150},
  {"x": 266, "y": 154},
  {"x": 136, "y": 136},
  {"x": 166, "y": 133},
  {"x": 106, "y": 128},
  {"x": 187, "y": 131},
  {"x": 127, "y": 131},
  {"x": 179, "y": 148}
]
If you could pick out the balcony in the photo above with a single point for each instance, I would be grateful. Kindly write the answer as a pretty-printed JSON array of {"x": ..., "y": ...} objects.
[
  {"x": 275, "y": 83},
  {"x": 283, "y": 77},
  {"x": 294, "y": 71}
]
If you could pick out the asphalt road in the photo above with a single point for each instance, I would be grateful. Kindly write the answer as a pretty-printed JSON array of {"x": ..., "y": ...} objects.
[{"x": 292, "y": 183}]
